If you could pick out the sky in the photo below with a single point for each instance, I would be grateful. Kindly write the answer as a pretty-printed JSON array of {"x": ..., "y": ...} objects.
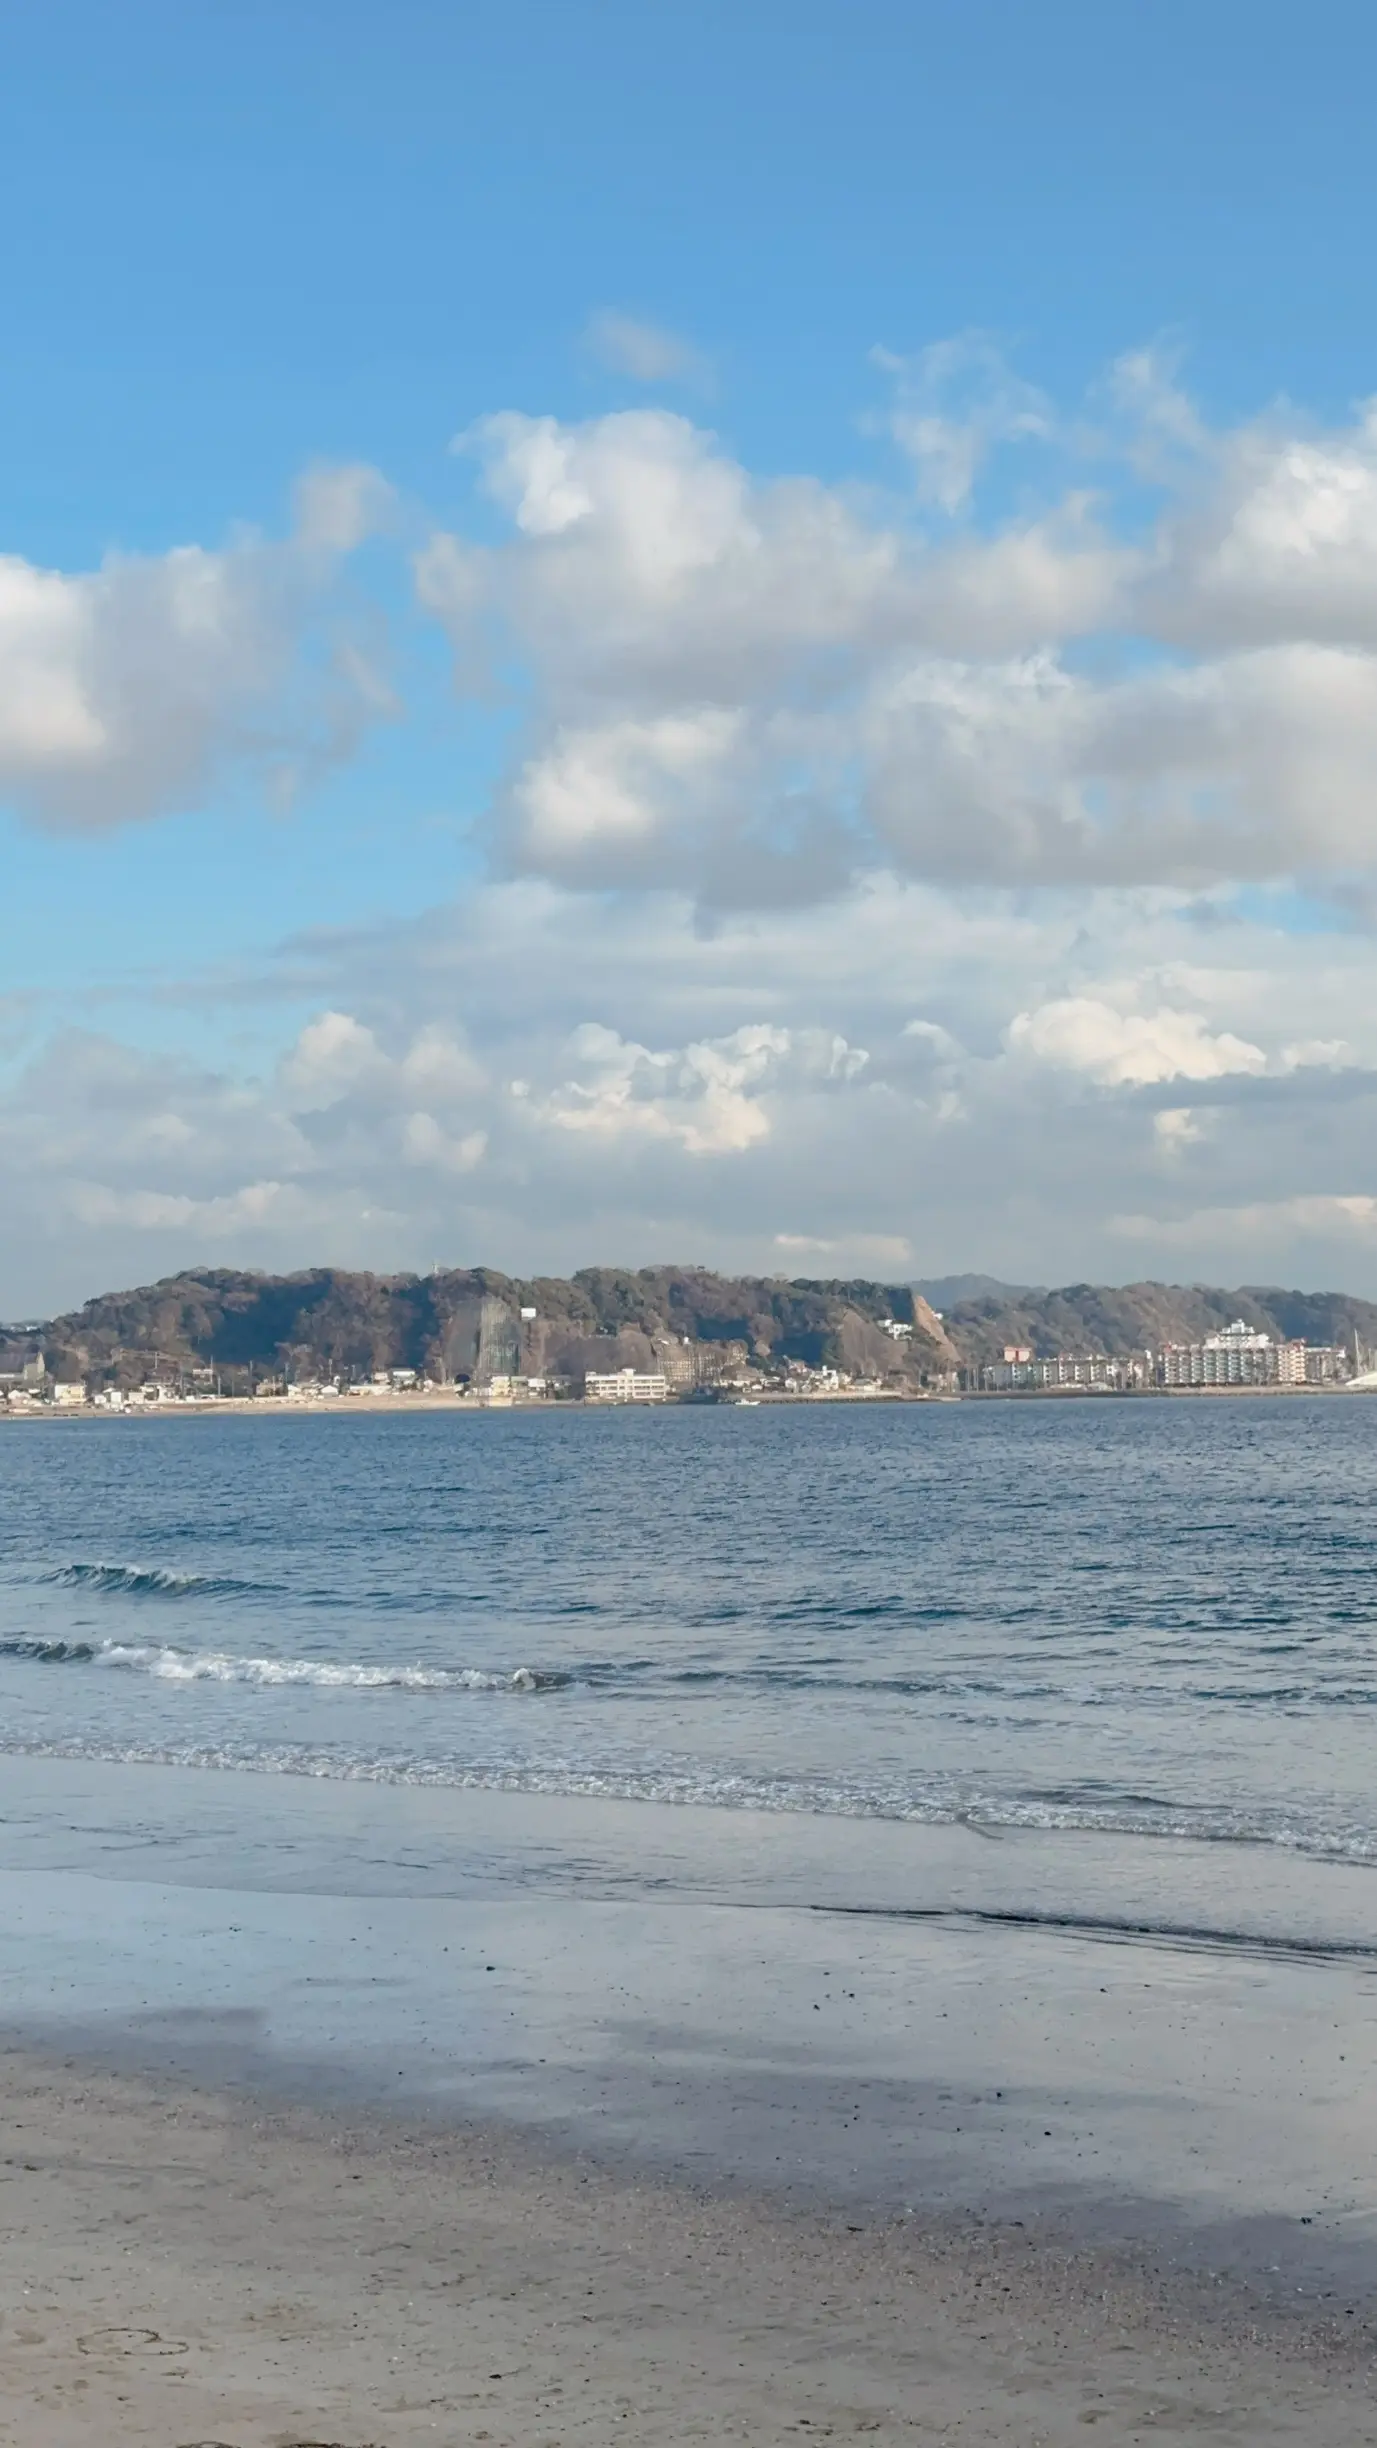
[{"x": 733, "y": 635}]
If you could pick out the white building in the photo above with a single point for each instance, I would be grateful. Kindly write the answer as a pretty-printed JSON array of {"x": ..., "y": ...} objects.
[
  {"x": 1240, "y": 1355},
  {"x": 1019, "y": 1371},
  {"x": 626, "y": 1385}
]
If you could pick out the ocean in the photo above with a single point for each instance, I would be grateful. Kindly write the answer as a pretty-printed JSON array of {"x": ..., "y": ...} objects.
[
  {"x": 1150, "y": 1620},
  {"x": 969, "y": 1806}
]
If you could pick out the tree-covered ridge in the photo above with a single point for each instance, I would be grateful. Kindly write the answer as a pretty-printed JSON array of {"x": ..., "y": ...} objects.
[
  {"x": 1120, "y": 1320},
  {"x": 327, "y": 1321}
]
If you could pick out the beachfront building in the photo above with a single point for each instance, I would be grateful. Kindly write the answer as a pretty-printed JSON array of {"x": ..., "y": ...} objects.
[
  {"x": 1240, "y": 1355},
  {"x": 626, "y": 1385},
  {"x": 1019, "y": 1372},
  {"x": 1326, "y": 1364}
]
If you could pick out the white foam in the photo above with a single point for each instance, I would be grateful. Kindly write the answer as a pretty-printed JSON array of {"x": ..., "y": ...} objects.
[{"x": 169, "y": 1665}]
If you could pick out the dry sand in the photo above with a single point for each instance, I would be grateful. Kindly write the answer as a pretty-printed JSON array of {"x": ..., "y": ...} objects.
[{"x": 181, "y": 2269}]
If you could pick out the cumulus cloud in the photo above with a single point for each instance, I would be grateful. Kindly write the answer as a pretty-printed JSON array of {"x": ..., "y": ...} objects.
[
  {"x": 1129, "y": 1049},
  {"x": 1177, "y": 1128},
  {"x": 542, "y": 1078},
  {"x": 714, "y": 657},
  {"x": 867, "y": 872},
  {"x": 125, "y": 691},
  {"x": 1275, "y": 539},
  {"x": 712, "y": 1097},
  {"x": 754, "y": 689}
]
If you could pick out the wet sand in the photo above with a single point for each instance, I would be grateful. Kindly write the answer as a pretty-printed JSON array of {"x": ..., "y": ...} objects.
[
  {"x": 180, "y": 2269},
  {"x": 369, "y": 2116}
]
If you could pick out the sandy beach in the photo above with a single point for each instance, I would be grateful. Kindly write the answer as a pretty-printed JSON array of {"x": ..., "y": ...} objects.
[
  {"x": 179, "y": 2267},
  {"x": 868, "y": 1935},
  {"x": 524, "y": 2160}
]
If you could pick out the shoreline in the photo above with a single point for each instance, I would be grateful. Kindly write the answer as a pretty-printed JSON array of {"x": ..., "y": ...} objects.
[
  {"x": 518, "y": 2156},
  {"x": 891, "y": 2020},
  {"x": 393, "y": 1406}
]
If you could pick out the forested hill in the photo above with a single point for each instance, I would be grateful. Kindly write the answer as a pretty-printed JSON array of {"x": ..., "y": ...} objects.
[
  {"x": 326, "y": 1320},
  {"x": 1127, "y": 1318}
]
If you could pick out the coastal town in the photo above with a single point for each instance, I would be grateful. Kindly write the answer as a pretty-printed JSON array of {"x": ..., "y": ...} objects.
[{"x": 1238, "y": 1358}]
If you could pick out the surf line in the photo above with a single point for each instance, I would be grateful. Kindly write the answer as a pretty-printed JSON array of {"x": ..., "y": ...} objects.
[{"x": 1123, "y": 1932}]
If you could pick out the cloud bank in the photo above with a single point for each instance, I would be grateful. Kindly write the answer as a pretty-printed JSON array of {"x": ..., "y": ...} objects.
[
  {"x": 891, "y": 1082},
  {"x": 971, "y": 869}
]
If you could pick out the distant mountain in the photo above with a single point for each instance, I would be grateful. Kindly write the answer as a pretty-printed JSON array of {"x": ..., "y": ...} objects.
[{"x": 944, "y": 1291}]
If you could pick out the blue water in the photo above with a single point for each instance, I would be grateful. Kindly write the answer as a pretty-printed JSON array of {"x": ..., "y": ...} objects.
[{"x": 1154, "y": 1619}]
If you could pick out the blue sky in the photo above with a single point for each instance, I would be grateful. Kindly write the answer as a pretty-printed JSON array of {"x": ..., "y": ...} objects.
[{"x": 245, "y": 242}]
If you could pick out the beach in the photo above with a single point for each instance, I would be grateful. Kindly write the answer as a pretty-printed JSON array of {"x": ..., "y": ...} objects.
[
  {"x": 536, "y": 2162},
  {"x": 179, "y": 2267},
  {"x": 692, "y": 1927}
]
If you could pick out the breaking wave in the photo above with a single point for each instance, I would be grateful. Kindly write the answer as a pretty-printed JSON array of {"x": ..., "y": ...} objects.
[
  {"x": 171, "y": 1665},
  {"x": 1317, "y": 1836}
]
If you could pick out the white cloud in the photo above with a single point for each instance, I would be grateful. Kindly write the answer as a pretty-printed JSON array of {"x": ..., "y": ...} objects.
[
  {"x": 665, "y": 602},
  {"x": 124, "y": 691},
  {"x": 333, "y": 1054},
  {"x": 1129, "y": 1049},
  {"x": 708, "y": 1096},
  {"x": 158, "y": 1211},
  {"x": 426, "y": 1142},
  {"x": 544, "y": 1078},
  {"x": 878, "y": 695},
  {"x": 867, "y": 875},
  {"x": 339, "y": 508},
  {"x": 621, "y": 782},
  {"x": 1176, "y": 1128},
  {"x": 953, "y": 403},
  {"x": 1275, "y": 539}
]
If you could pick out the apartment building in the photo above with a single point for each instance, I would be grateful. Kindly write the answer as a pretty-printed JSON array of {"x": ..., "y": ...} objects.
[
  {"x": 1240, "y": 1355},
  {"x": 626, "y": 1385}
]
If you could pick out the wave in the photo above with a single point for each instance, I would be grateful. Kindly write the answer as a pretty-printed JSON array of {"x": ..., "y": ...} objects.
[
  {"x": 141, "y": 1581},
  {"x": 994, "y": 1814},
  {"x": 822, "y": 1678},
  {"x": 171, "y": 1665}
]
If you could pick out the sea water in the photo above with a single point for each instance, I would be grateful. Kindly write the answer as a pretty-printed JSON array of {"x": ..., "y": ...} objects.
[
  {"x": 966, "y": 1805},
  {"x": 1147, "y": 1619}
]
